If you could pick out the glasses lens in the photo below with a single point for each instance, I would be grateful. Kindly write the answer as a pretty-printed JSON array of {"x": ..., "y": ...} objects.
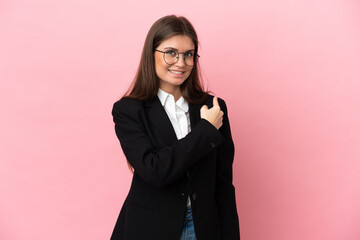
[
  {"x": 170, "y": 57},
  {"x": 189, "y": 59}
]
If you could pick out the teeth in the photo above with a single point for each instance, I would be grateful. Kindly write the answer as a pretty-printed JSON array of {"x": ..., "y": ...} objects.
[{"x": 176, "y": 72}]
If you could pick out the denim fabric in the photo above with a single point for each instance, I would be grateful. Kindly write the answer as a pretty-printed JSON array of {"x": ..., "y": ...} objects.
[{"x": 188, "y": 229}]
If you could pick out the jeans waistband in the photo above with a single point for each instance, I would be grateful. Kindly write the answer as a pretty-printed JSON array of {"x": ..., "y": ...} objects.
[{"x": 188, "y": 215}]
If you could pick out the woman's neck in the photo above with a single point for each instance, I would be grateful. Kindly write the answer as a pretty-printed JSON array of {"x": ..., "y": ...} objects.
[{"x": 176, "y": 92}]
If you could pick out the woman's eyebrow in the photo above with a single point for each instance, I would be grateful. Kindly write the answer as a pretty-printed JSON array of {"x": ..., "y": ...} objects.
[{"x": 172, "y": 48}]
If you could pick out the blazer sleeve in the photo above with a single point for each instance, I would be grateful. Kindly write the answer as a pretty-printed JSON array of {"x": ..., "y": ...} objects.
[
  {"x": 159, "y": 166},
  {"x": 225, "y": 191}
]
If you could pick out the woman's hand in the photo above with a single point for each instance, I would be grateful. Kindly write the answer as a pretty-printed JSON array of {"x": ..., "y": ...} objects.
[{"x": 214, "y": 115}]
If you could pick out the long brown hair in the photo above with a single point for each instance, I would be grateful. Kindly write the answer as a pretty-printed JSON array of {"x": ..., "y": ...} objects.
[{"x": 146, "y": 83}]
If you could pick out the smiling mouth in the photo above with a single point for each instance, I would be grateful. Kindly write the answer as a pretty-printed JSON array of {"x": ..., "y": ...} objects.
[{"x": 176, "y": 72}]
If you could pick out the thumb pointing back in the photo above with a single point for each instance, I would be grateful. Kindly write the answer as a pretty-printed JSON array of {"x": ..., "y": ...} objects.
[{"x": 215, "y": 101}]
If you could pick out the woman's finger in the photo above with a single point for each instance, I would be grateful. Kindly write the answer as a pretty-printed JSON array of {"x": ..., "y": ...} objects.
[{"x": 215, "y": 101}]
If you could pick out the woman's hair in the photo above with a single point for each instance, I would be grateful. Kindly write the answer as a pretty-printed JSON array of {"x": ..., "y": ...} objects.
[{"x": 146, "y": 83}]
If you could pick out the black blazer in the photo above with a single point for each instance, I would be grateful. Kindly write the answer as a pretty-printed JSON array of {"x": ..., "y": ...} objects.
[{"x": 167, "y": 171}]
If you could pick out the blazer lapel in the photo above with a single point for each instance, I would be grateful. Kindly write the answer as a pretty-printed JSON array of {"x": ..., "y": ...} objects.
[
  {"x": 159, "y": 118},
  {"x": 194, "y": 111}
]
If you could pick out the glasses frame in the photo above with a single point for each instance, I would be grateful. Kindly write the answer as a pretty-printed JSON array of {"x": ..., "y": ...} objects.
[{"x": 196, "y": 57}]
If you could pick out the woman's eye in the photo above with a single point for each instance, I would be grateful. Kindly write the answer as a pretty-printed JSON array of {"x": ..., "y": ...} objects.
[
  {"x": 171, "y": 53},
  {"x": 189, "y": 54}
]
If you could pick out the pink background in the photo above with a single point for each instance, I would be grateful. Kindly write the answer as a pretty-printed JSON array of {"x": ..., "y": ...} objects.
[{"x": 289, "y": 71}]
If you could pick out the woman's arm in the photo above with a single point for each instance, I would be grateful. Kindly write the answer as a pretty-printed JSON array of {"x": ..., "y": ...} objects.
[
  {"x": 159, "y": 167},
  {"x": 225, "y": 191}
]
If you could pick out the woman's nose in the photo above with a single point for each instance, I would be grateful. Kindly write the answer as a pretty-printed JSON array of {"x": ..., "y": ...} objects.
[{"x": 181, "y": 60}]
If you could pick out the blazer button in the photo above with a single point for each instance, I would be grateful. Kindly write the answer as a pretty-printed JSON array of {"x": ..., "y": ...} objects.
[
  {"x": 212, "y": 144},
  {"x": 193, "y": 196}
]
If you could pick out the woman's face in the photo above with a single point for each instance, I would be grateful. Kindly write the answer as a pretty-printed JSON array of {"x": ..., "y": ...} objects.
[{"x": 172, "y": 76}]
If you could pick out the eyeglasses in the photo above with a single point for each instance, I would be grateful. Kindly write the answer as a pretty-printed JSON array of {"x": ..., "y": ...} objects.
[{"x": 172, "y": 56}]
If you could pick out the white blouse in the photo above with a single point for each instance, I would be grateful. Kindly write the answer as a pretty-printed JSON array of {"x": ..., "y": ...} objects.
[{"x": 178, "y": 113}]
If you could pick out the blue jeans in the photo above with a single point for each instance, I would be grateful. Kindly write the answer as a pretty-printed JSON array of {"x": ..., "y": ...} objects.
[{"x": 188, "y": 229}]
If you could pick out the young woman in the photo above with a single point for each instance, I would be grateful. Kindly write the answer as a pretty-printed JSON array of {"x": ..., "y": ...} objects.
[{"x": 177, "y": 139}]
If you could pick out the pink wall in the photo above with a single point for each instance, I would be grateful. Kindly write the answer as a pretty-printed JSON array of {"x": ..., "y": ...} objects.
[{"x": 289, "y": 70}]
